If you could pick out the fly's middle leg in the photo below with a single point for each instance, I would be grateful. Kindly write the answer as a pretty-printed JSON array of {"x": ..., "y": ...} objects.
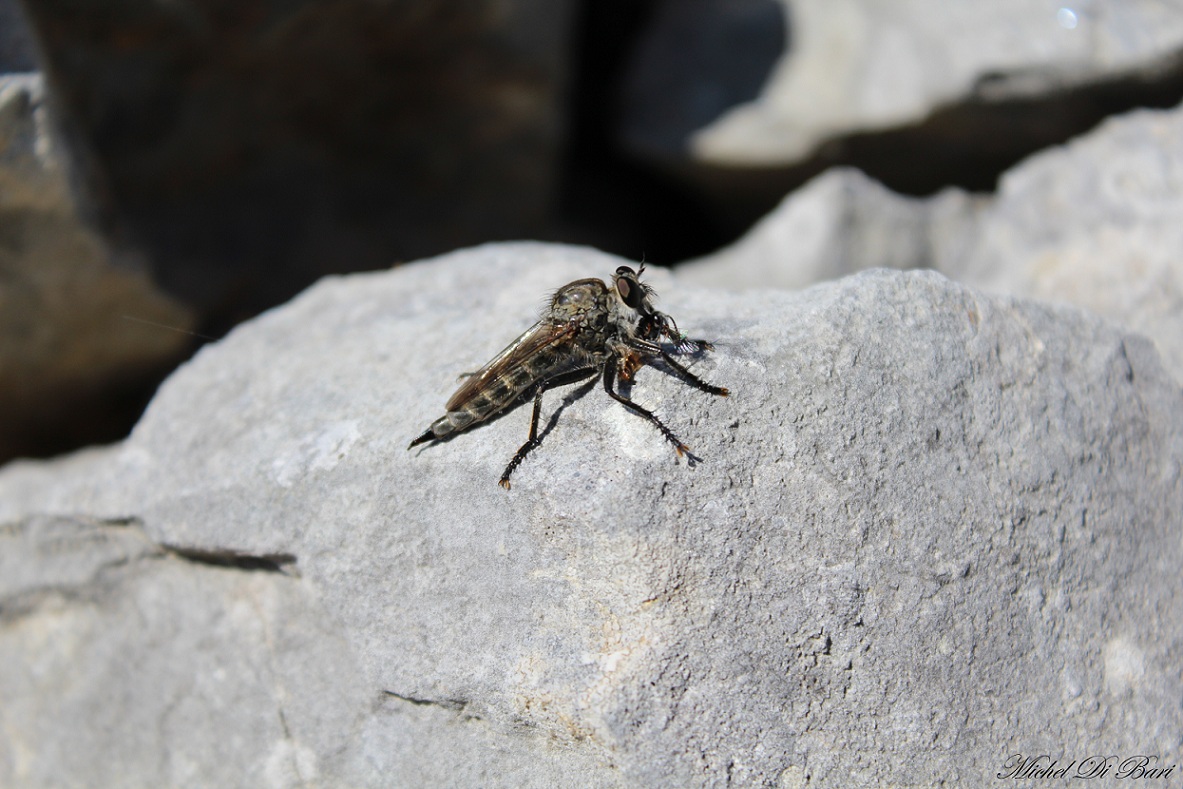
[{"x": 609, "y": 377}]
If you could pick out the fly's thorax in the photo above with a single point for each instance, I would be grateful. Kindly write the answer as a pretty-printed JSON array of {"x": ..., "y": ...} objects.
[
  {"x": 604, "y": 317},
  {"x": 584, "y": 306},
  {"x": 578, "y": 302}
]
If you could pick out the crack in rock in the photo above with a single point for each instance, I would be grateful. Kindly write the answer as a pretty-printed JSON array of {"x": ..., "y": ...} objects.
[
  {"x": 282, "y": 563},
  {"x": 452, "y": 705}
]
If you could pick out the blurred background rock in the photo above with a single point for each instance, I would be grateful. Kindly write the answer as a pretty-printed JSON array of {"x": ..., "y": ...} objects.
[{"x": 170, "y": 169}]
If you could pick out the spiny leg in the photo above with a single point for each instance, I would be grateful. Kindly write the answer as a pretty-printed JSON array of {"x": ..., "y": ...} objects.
[
  {"x": 653, "y": 349},
  {"x": 693, "y": 379},
  {"x": 609, "y": 377},
  {"x": 533, "y": 441}
]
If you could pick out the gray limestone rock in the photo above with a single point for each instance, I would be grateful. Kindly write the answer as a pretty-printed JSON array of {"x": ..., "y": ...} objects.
[
  {"x": 921, "y": 94},
  {"x": 840, "y": 223},
  {"x": 1092, "y": 223},
  {"x": 930, "y": 529},
  {"x": 125, "y": 664},
  {"x": 855, "y": 66}
]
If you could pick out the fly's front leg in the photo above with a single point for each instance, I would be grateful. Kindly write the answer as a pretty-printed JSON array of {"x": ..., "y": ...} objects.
[
  {"x": 609, "y": 377},
  {"x": 653, "y": 349},
  {"x": 691, "y": 378}
]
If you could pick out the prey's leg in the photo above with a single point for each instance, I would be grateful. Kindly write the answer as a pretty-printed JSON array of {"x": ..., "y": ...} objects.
[
  {"x": 682, "y": 344},
  {"x": 609, "y": 377}
]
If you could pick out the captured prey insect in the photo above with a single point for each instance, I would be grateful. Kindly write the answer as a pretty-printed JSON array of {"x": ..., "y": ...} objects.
[{"x": 587, "y": 328}]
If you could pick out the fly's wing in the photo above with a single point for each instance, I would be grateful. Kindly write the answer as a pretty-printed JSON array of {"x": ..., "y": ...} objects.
[{"x": 532, "y": 340}]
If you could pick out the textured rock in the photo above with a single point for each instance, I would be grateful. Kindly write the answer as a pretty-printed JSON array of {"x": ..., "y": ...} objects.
[
  {"x": 220, "y": 691},
  {"x": 78, "y": 334},
  {"x": 859, "y": 65},
  {"x": 931, "y": 528},
  {"x": 1095, "y": 224},
  {"x": 1092, "y": 223},
  {"x": 919, "y": 94},
  {"x": 840, "y": 223}
]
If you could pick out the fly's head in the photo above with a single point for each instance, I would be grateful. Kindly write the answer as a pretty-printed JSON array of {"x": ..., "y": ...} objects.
[
  {"x": 633, "y": 293},
  {"x": 636, "y": 298},
  {"x": 632, "y": 309}
]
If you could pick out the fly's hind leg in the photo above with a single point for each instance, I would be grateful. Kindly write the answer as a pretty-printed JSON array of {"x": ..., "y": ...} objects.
[
  {"x": 609, "y": 377},
  {"x": 533, "y": 441}
]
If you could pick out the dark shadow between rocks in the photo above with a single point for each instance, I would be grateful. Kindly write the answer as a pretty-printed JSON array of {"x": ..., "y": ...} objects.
[{"x": 970, "y": 145}]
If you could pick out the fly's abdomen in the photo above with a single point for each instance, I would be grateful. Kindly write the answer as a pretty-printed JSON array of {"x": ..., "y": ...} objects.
[
  {"x": 446, "y": 425},
  {"x": 498, "y": 393}
]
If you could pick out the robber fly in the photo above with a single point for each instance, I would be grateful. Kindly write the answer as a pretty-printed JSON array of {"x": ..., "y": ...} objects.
[{"x": 588, "y": 328}]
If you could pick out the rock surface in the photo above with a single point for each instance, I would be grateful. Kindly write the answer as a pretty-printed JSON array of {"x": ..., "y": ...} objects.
[
  {"x": 1092, "y": 223},
  {"x": 841, "y": 223},
  {"x": 930, "y": 529},
  {"x": 920, "y": 94},
  {"x": 862, "y": 65},
  {"x": 77, "y": 331}
]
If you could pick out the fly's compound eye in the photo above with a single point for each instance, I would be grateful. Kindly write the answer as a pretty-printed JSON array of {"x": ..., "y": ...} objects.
[{"x": 629, "y": 289}]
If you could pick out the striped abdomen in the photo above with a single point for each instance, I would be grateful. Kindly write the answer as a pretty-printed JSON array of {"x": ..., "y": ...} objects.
[{"x": 498, "y": 393}]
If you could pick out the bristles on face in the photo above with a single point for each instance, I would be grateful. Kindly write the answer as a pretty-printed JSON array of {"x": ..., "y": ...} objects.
[{"x": 646, "y": 289}]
